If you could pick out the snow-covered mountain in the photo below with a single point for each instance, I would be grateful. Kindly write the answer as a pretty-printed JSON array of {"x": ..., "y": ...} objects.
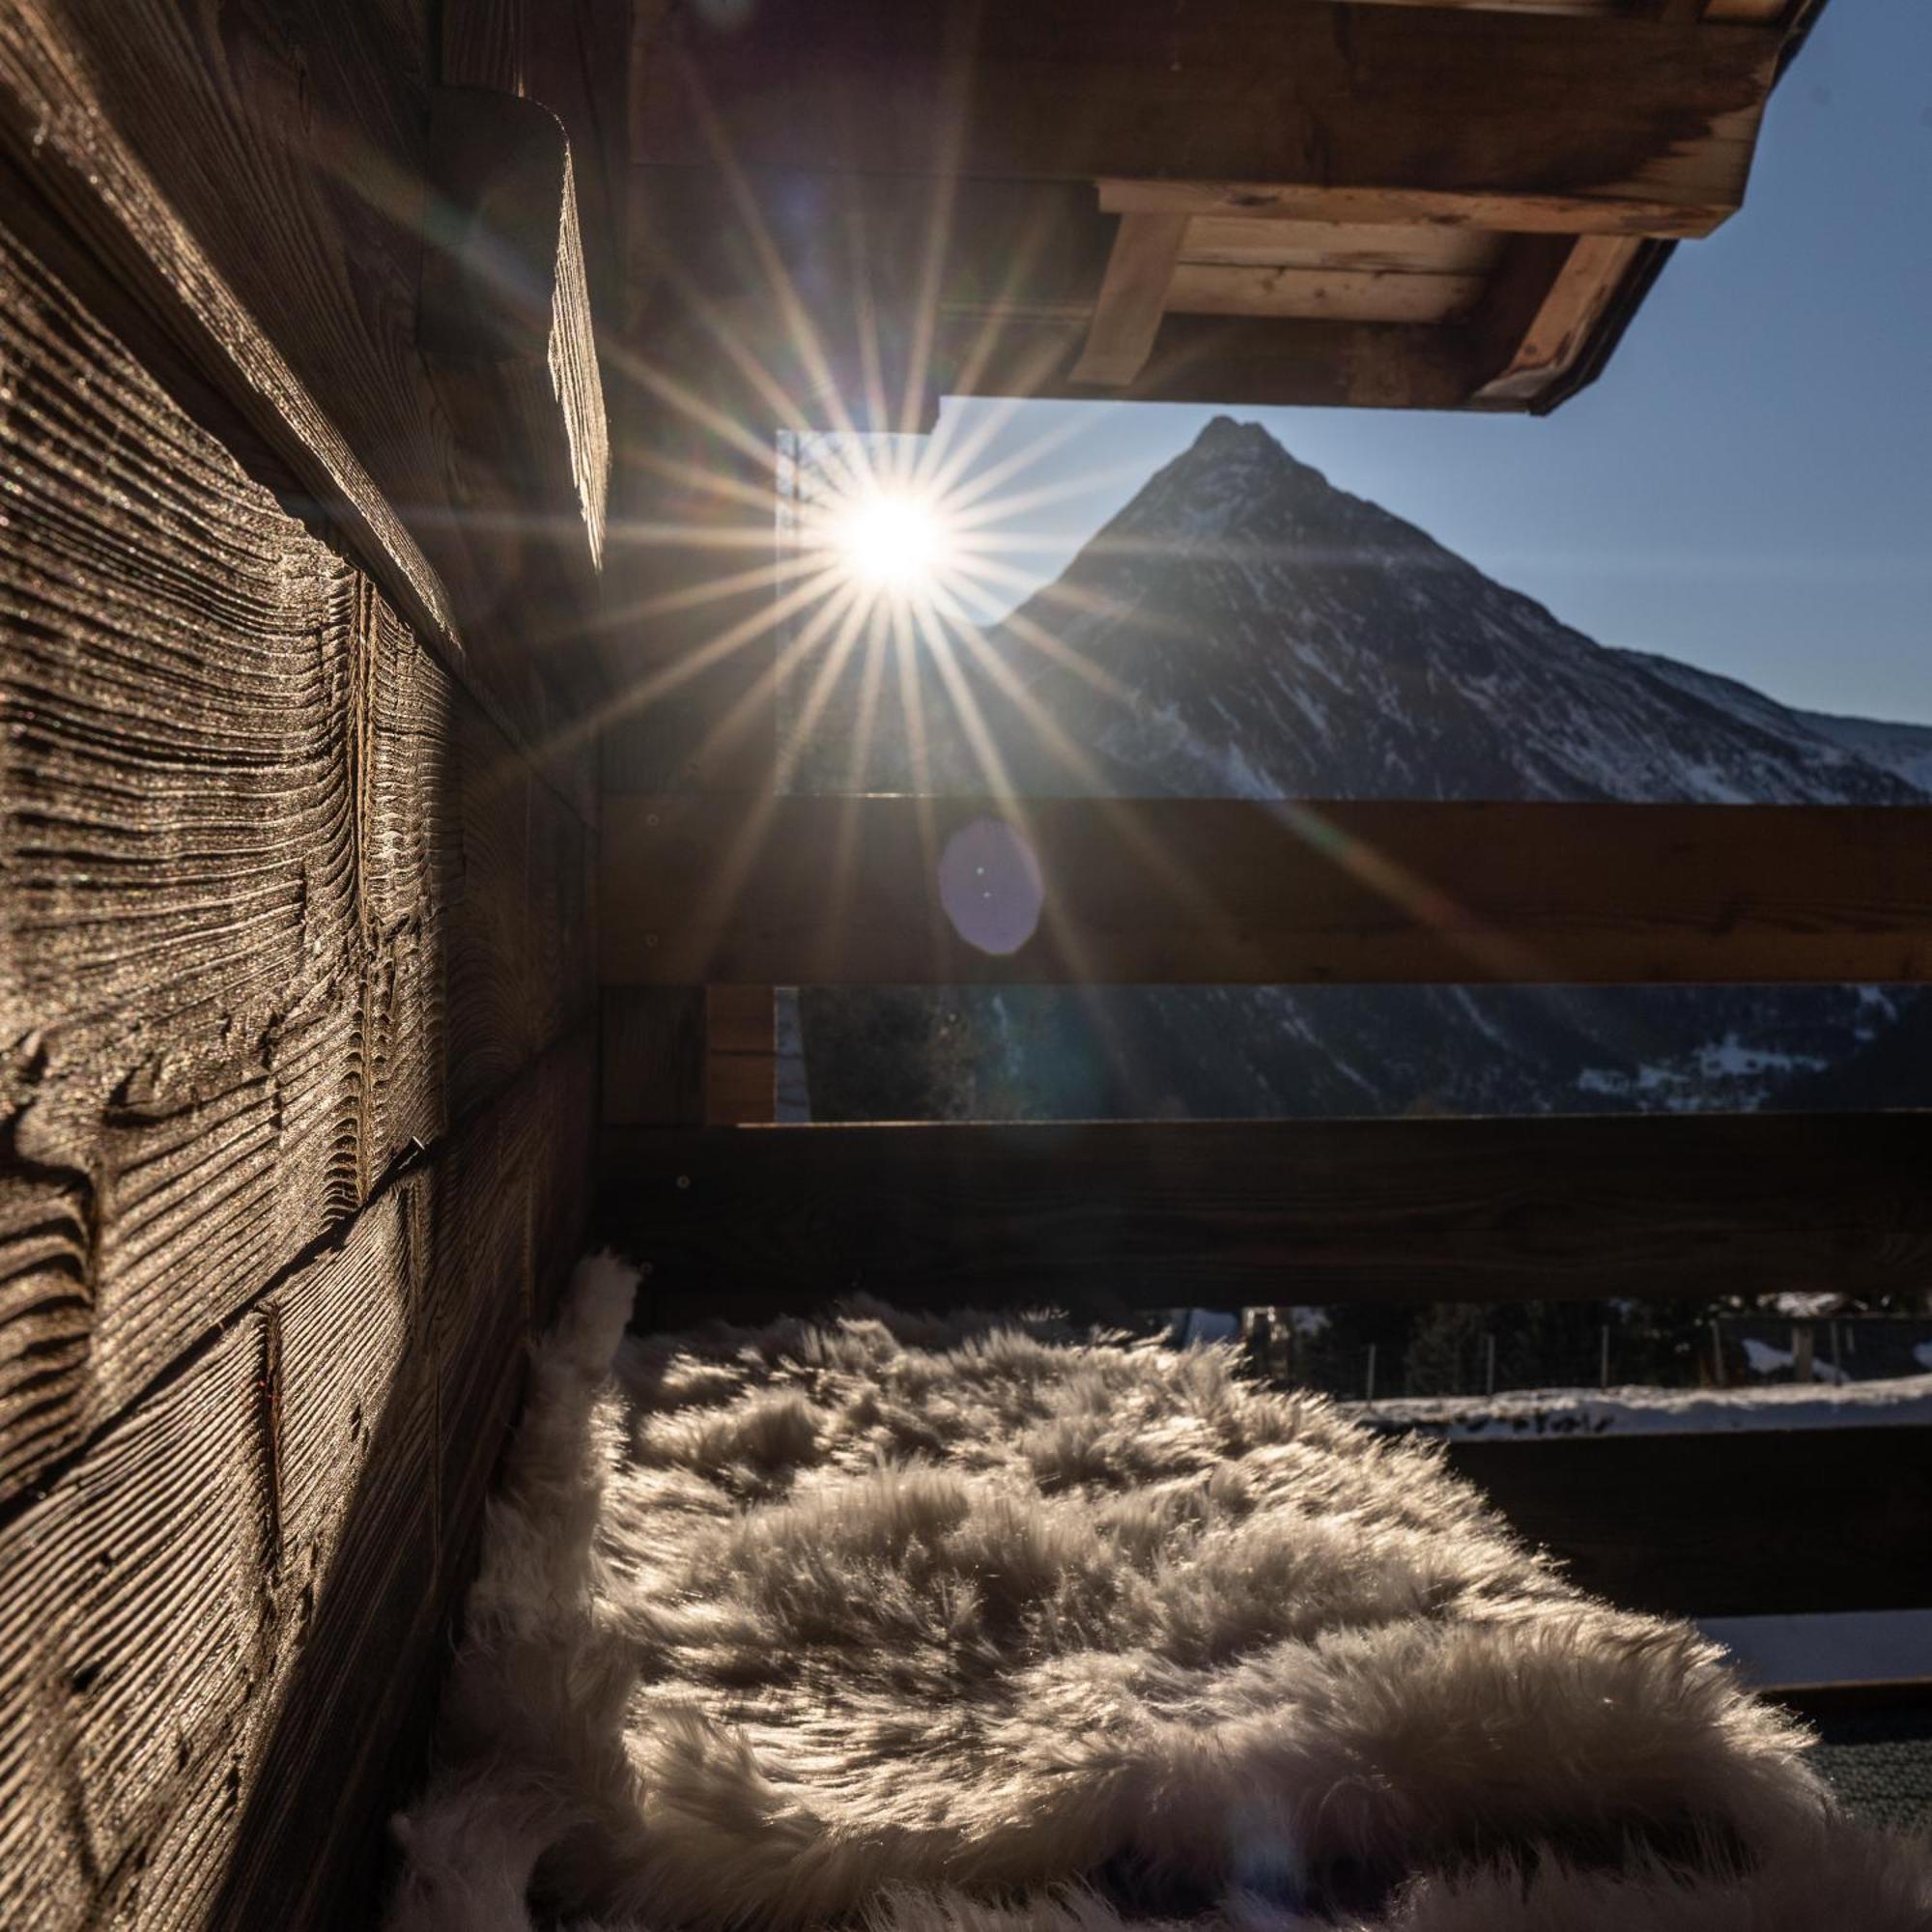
[
  {"x": 1271, "y": 636},
  {"x": 1243, "y": 629}
]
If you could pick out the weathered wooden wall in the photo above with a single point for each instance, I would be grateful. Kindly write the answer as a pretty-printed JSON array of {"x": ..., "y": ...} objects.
[{"x": 296, "y": 973}]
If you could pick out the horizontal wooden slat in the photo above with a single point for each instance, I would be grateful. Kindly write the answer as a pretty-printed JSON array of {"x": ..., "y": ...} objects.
[
  {"x": 1751, "y": 1523},
  {"x": 1643, "y": 118},
  {"x": 1230, "y": 360},
  {"x": 760, "y": 1221},
  {"x": 833, "y": 891},
  {"x": 1357, "y": 248},
  {"x": 1344, "y": 294}
]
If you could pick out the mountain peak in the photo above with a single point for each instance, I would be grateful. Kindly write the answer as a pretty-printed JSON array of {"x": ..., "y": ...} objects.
[{"x": 1247, "y": 444}]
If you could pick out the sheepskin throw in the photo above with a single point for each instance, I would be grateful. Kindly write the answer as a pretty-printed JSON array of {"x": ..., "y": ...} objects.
[{"x": 967, "y": 1625}]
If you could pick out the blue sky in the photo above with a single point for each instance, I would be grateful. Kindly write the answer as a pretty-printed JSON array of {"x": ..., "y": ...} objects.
[{"x": 1749, "y": 486}]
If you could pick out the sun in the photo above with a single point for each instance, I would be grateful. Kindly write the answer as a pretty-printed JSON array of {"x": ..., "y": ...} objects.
[{"x": 891, "y": 541}]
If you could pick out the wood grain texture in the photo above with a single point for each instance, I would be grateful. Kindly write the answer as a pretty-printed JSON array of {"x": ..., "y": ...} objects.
[
  {"x": 741, "y": 1060},
  {"x": 1132, "y": 297},
  {"x": 1344, "y": 295},
  {"x": 1197, "y": 891},
  {"x": 1704, "y": 1525},
  {"x": 753, "y": 1222},
  {"x": 192, "y": 921},
  {"x": 1612, "y": 110},
  {"x": 242, "y": 203},
  {"x": 1544, "y": 307},
  {"x": 1360, "y": 247},
  {"x": 651, "y": 1047},
  {"x": 233, "y": 180},
  {"x": 506, "y": 332},
  {"x": 238, "y": 1596},
  {"x": 157, "y": 1595},
  {"x": 245, "y": 816},
  {"x": 1229, "y": 361}
]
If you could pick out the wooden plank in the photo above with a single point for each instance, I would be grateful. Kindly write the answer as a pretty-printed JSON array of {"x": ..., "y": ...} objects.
[
  {"x": 741, "y": 1060},
  {"x": 1757, "y": 1523},
  {"x": 1633, "y": 121},
  {"x": 177, "y": 170},
  {"x": 1357, "y": 248},
  {"x": 155, "y": 1597},
  {"x": 244, "y": 210},
  {"x": 1229, "y": 361},
  {"x": 1353, "y": 295},
  {"x": 243, "y": 865},
  {"x": 203, "y": 897},
  {"x": 507, "y": 1222},
  {"x": 519, "y": 924},
  {"x": 1133, "y": 293},
  {"x": 240, "y": 1590},
  {"x": 507, "y": 335},
  {"x": 1547, "y": 304},
  {"x": 361, "y": 1694},
  {"x": 651, "y": 1041},
  {"x": 752, "y": 1222},
  {"x": 1201, "y": 892},
  {"x": 1297, "y": 203}
]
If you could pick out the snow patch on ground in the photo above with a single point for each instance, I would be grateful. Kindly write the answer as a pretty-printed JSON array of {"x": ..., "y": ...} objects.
[{"x": 1530, "y": 1414}]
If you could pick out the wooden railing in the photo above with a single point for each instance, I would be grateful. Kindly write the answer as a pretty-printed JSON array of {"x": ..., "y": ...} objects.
[{"x": 747, "y": 1221}]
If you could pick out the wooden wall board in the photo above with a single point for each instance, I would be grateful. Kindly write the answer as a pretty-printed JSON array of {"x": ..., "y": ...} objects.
[
  {"x": 518, "y": 923},
  {"x": 281, "y": 900},
  {"x": 651, "y": 1046},
  {"x": 755, "y": 1222},
  {"x": 155, "y": 1594},
  {"x": 741, "y": 1067},
  {"x": 1760, "y": 1522},
  {"x": 244, "y": 208},
  {"x": 238, "y": 1594},
  {"x": 1614, "y": 113},
  {"x": 1209, "y": 892}
]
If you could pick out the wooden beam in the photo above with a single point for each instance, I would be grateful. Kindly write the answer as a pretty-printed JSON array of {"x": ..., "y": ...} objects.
[
  {"x": 506, "y": 329},
  {"x": 1203, "y": 891},
  {"x": 1413, "y": 248},
  {"x": 740, "y": 1056},
  {"x": 1231, "y": 360},
  {"x": 749, "y": 1223},
  {"x": 1342, "y": 295},
  {"x": 1540, "y": 314},
  {"x": 1705, "y": 1525},
  {"x": 1626, "y": 120},
  {"x": 1134, "y": 294},
  {"x": 1525, "y": 214}
]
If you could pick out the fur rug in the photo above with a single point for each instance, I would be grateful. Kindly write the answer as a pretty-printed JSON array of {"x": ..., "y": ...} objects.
[{"x": 969, "y": 1626}]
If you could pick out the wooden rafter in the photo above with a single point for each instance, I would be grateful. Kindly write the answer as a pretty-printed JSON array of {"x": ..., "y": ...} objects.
[
  {"x": 1133, "y": 295},
  {"x": 1632, "y": 123}
]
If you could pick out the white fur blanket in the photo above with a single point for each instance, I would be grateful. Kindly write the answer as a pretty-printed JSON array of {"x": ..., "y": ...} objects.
[{"x": 963, "y": 1626}]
